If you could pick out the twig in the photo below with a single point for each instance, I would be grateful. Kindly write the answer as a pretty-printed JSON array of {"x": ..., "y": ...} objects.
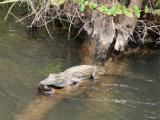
[
  {"x": 9, "y": 11},
  {"x": 16, "y": 18}
]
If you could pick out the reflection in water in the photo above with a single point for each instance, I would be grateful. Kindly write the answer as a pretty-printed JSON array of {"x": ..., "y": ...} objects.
[{"x": 37, "y": 108}]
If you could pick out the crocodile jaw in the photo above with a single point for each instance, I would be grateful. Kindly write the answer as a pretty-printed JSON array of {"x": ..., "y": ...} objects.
[
  {"x": 52, "y": 91},
  {"x": 46, "y": 90},
  {"x": 45, "y": 85}
]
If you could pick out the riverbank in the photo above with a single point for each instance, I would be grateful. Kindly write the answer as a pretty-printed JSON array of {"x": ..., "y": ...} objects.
[{"x": 108, "y": 25}]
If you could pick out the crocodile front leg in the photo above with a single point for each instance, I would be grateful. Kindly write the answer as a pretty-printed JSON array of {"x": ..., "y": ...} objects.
[{"x": 95, "y": 75}]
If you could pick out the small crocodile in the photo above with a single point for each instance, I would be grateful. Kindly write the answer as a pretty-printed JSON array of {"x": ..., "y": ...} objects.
[{"x": 70, "y": 76}]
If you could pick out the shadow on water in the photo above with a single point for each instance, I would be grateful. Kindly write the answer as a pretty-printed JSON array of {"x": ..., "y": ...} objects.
[{"x": 129, "y": 90}]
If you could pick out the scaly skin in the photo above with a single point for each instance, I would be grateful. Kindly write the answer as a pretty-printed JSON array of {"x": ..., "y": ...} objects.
[{"x": 72, "y": 75}]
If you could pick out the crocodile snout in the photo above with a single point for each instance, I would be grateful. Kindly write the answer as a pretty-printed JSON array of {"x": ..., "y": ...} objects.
[{"x": 45, "y": 89}]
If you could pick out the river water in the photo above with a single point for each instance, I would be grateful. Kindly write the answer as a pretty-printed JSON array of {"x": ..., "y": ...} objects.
[{"x": 24, "y": 62}]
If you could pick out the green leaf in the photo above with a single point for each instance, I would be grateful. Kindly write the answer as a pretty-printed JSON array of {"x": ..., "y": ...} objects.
[
  {"x": 118, "y": 9},
  {"x": 137, "y": 11},
  {"x": 82, "y": 1},
  {"x": 112, "y": 10},
  {"x": 92, "y": 5},
  {"x": 127, "y": 13},
  {"x": 138, "y": 14},
  {"x": 156, "y": 12},
  {"x": 82, "y": 8},
  {"x": 103, "y": 9},
  {"x": 146, "y": 9},
  {"x": 86, "y": 3},
  {"x": 124, "y": 8}
]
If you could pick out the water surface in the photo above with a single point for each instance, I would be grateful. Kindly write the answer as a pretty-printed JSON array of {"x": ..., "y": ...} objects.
[
  {"x": 24, "y": 62},
  {"x": 120, "y": 97}
]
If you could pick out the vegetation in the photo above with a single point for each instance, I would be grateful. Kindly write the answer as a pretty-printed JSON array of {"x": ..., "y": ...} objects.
[
  {"x": 73, "y": 11},
  {"x": 115, "y": 9}
]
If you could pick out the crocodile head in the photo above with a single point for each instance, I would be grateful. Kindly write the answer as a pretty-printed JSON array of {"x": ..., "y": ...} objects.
[
  {"x": 46, "y": 85},
  {"x": 50, "y": 80}
]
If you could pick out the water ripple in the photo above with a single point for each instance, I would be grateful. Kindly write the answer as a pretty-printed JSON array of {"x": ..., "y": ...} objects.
[
  {"x": 115, "y": 101},
  {"x": 121, "y": 85}
]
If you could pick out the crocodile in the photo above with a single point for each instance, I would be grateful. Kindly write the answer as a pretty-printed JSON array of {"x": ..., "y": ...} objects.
[{"x": 70, "y": 76}]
